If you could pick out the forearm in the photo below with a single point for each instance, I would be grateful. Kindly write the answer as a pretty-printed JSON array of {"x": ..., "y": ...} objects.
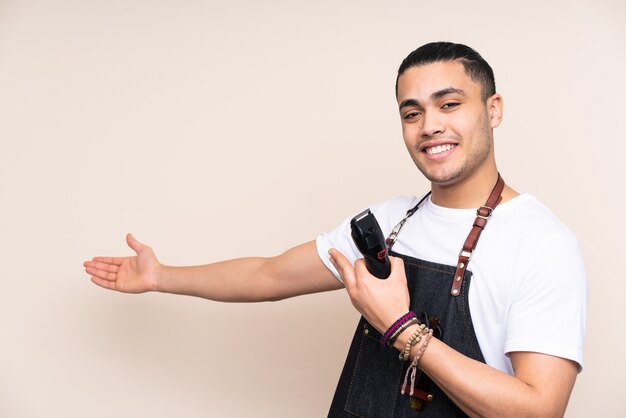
[
  {"x": 478, "y": 389},
  {"x": 297, "y": 271},
  {"x": 238, "y": 280},
  {"x": 482, "y": 391}
]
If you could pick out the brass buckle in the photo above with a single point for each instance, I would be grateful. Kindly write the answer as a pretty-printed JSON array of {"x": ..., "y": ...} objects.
[
  {"x": 464, "y": 253},
  {"x": 485, "y": 217}
]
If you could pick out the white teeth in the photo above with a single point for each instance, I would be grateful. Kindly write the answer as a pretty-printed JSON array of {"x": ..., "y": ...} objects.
[{"x": 439, "y": 149}]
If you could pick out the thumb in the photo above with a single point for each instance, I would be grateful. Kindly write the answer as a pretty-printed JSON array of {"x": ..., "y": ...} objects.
[
  {"x": 133, "y": 243},
  {"x": 397, "y": 266},
  {"x": 343, "y": 266}
]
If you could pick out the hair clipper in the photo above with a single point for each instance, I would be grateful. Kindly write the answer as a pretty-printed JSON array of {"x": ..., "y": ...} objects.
[{"x": 370, "y": 241}]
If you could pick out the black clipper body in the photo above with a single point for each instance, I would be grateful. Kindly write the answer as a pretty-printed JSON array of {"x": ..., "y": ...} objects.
[{"x": 370, "y": 241}]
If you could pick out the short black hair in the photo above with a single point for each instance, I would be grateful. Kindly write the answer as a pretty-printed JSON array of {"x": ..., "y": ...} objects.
[{"x": 476, "y": 68}]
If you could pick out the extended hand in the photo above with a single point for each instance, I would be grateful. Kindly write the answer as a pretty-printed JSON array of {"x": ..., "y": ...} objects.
[
  {"x": 135, "y": 274},
  {"x": 381, "y": 302}
]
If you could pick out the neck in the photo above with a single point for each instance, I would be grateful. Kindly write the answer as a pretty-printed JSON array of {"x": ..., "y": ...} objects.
[{"x": 469, "y": 193}]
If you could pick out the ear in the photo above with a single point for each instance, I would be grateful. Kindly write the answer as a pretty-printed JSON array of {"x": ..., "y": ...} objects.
[{"x": 495, "y": 108}]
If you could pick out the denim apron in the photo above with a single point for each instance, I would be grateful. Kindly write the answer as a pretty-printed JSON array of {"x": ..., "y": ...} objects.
[{"x": 372, "y": 376}]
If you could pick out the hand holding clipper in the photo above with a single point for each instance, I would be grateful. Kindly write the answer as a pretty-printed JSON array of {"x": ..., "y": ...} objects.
[{"x": 370, "y": 241}]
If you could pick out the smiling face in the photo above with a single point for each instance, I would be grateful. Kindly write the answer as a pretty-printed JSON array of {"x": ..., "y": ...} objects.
[{"x": 447, "y": 127}]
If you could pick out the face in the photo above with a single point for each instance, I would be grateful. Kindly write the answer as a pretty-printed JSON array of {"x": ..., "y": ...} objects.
[{"x": 447, "y": 127}]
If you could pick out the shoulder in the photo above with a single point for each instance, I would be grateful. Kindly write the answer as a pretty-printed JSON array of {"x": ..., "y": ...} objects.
[
  {"x": 525, "y": 241},
  {"x": 547, "y": 257},
  {"x": 531, "y": 220}
]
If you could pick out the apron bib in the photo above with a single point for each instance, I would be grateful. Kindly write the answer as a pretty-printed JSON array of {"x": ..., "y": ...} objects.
[{"x": 372, "y": 376}]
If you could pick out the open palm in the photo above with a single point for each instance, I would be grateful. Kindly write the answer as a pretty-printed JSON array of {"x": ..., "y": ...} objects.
[{"x": 134, "y": 274}]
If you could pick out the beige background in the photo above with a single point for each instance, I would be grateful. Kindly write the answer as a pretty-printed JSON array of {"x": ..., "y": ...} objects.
[{"x": 215, "y": 130}]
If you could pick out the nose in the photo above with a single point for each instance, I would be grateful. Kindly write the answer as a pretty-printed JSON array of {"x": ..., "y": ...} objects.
[{"x": 432, "y": 124}]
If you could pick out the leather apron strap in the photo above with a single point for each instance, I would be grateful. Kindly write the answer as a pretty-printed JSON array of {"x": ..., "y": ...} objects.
[{"x": 482, "y": 216}]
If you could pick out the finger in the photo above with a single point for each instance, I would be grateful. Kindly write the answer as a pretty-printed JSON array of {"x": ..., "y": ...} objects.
[
  {"x": 133, "y": 243},
  {"x": 111, "y": 268},
  {"x": 102, "y": 274},
  {"x": 104, "y": 283},
  {"x": 109, "y": 260},
  {"x": 343, "y": 266},
  {"x": 333, "y": 262},
  {"x": 397, "y": 266},
  {"x": 360, "y": 268}
]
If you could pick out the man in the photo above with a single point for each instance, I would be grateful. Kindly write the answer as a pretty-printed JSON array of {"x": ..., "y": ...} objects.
[{"x": 512, "y": 346}]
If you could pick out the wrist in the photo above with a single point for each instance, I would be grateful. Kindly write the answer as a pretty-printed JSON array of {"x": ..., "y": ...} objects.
[
  {"x": 390, "y": 318},
  {"x": 401, "y": 340},
  {"x": 398, "y": 327},
  {"x": 161, "y": 272}
]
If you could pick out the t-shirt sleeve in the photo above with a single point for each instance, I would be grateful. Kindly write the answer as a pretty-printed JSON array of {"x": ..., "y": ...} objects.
[
  {"x": 340, "y": 239},
  {"x": 549, "y": 307},
  {"x": 387, "y": 214}
]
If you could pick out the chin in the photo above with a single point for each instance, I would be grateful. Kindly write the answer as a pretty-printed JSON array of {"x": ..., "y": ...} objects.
[
  {"x": 448, "y": 180},
  {"x": 442, "y": 177}
]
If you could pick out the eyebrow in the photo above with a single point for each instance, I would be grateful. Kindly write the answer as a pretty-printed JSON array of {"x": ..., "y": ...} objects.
[{"x": 436, "y": 95}]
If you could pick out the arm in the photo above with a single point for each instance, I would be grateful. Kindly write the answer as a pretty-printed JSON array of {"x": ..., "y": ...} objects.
[
  {"x": 541, "y": 385},
  {"x": 295, "y": 272}
]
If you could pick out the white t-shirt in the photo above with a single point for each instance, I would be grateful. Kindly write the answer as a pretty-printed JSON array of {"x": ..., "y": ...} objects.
[{"x": 529, "y": 286}]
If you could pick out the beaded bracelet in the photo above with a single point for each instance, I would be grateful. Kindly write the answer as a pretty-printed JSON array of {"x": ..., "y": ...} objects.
[
  {"x": 402, "y": 320},
  {"x": 400, "y": 330},
  {"x": 412, "y": 369},
  {"x": 414, "y": 339}
]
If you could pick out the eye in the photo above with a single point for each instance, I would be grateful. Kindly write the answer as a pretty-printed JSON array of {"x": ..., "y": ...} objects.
[
  {"x": 450, "y": 105},
  {"x": 411, "y": 115}
]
